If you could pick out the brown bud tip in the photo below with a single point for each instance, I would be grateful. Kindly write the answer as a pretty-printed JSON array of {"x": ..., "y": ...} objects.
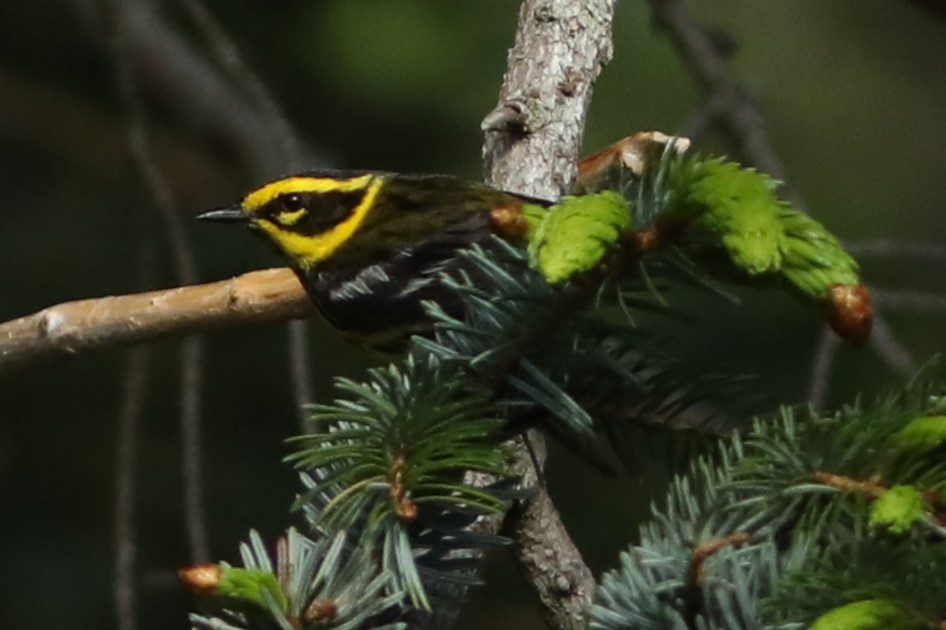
[
  {"x": 635, "y": 153},
  {"x": 406, "y": 510},
  {"x": 201, "y": 580},
  {"x": 850, "y": 313},
  {"x": 509, "y": 221},
  {"x": 321, "y": 609}
]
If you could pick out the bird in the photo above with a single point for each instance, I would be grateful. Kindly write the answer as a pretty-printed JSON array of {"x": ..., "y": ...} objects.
[{"x": 370, "y": 247}]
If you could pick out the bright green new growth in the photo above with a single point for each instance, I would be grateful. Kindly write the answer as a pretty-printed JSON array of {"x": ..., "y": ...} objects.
[
  {"x": 534, "y": 215},
  {"x": 249, "y": 586},
  {"x": 867, "y": 614},
  {"x": 813, "y": 259},
  {"x": 737, "y": 204},
  {"x": 897, "y": 509},
  {"x": 575, "y": 234},
  {"x": 760, "y": 233},
  {"x": 921, "y": 435}
]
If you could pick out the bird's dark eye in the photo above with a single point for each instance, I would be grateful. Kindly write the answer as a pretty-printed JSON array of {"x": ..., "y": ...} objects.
[{"x": 292, "y": 202}]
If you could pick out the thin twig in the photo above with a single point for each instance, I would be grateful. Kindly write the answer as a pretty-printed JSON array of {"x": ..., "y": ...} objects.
[
  {"x": 229, "y": 57},
  {"x": 919, "y": 301},
  {"x": 888, "y": 346},
  {"x": 135, "y": 381},
  {"x": 726, "y": 100},
  {"x": 195, "y": 509},
  {"x": 696, "y": 571},
  {"x": 185, "y": 271},
  {"x": 870, "y": 488},
  {"x": 300, "y": 371},
  {"x": 897, "y": 249},
  {"x": 291, "y": 160},
  {"x": 136, "y": 371},
  {"x": 821, "y": 367}
]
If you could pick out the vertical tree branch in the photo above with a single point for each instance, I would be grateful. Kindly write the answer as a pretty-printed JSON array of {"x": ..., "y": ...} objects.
[
  {"x": 123, "y": 14},
  {"x": 534, "y": 135},
  {"x": 533, "y": 138}
]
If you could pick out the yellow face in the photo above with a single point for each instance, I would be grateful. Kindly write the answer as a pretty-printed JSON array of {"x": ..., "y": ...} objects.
[{"x": 308, "y": 218}]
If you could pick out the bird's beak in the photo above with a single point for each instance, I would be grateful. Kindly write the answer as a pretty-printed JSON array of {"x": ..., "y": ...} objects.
[{"x": 233, "y": 214}]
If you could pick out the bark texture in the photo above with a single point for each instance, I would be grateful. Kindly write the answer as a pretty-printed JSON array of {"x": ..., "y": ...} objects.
[
  {"x": 534, "y": 134},
  {"x": 533, "y": 139}
]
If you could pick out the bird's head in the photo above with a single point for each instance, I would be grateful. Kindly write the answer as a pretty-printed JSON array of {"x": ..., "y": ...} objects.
[{"x": 307, "y": 216}]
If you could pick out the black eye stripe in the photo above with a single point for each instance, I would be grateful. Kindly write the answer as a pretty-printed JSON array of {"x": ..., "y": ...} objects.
[{"x": 325, "y": 210}]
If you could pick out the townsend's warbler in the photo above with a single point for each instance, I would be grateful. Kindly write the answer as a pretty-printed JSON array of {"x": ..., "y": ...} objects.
[{"x": 370, "y": 247}]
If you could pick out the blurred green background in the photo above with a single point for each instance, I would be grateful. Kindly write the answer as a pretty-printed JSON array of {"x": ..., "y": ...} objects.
[{"x": 853, "y": 91}]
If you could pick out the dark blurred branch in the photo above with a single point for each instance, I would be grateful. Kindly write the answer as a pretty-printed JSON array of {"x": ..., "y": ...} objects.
[
  {"x": 229, "y": 58},
  {"x": 59, "y": 123},
  {"x": 898, "y": 249},
  {"x": 183, "y": 79},
  {"x": 533, "y": 138},
  {"x": 195, "y": 508},
  {"x": 888, "y": 346},
  {"x": 135, "y": 375},
  {"x": 727, "y": 103},
  {"x": 129, "y": 415},
  {"x": 291, "y": 160},
  {"x": 821, "y": 366},
  {"x": 227, "y": 106},
  {"x": 86, "y": 325},
  {"x": 300, "y": 372},
  {"x": 229, "y": 100},
  {"x": 920, "y": 301},
  {"x": 725, "y": 100},
  {"x": 882, "y": 340},
  {"x": 185, "y": 268}
]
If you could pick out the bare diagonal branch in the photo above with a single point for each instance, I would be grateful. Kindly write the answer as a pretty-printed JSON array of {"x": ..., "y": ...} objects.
[{"x": 74, "y": 327}]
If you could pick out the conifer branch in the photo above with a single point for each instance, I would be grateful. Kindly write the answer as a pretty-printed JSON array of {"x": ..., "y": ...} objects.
[{"x": 808, "y": 516}]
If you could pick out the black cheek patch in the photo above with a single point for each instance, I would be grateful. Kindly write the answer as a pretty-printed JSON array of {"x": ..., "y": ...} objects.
[{"x": 326, "y": 210}]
